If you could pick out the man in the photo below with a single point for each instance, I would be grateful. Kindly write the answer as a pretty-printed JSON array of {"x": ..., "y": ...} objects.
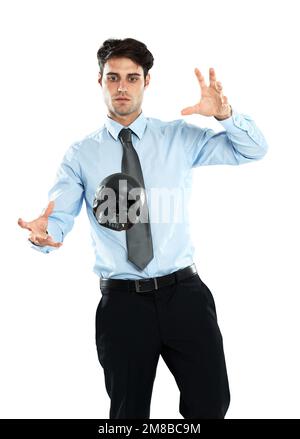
[{"x": 160, "y": 305}]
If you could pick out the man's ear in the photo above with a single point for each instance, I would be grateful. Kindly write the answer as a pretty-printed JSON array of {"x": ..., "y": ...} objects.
[
  {"x": 147, "y": 80},
  {"x": 100, "y": 78}
]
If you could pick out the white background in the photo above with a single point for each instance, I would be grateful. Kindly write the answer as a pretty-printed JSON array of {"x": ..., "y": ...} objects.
[{"x": 245, "y": 219}]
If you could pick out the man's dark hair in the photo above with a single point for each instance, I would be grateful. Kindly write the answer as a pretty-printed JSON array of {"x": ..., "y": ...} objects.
[{"x": 129, "y": 48}]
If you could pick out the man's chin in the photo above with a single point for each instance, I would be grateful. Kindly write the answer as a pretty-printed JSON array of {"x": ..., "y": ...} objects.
[{"x": 123, "y": 112}]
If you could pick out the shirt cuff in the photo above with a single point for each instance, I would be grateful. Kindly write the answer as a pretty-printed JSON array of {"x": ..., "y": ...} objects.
[{"x": 235, "y": 122}]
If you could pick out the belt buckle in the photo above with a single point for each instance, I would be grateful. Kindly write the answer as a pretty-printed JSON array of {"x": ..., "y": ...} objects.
[{"x": 139, "y": 283}]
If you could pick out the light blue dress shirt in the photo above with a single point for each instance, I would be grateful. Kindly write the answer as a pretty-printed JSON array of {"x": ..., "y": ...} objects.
[{"x": 167, "y": 151}]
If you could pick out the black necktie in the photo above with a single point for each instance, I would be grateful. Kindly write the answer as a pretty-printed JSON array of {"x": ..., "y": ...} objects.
[{"x": 138, "y": 237}]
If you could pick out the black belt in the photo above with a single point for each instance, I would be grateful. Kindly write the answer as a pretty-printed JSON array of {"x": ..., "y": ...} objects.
[{"x": 151, "y": 283}]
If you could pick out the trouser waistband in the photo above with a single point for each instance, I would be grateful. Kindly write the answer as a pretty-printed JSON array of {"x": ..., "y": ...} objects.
[{"x": 151, "y": 283}]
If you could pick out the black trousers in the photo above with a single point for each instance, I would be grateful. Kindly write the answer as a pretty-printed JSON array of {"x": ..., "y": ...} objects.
[{"x": 178, "y": 322}]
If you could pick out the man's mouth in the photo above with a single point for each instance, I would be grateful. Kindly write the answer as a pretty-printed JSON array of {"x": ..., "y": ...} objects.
[{"x": 122, "y": 99}]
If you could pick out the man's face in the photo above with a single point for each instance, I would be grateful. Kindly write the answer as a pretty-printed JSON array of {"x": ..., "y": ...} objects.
[{"x": 122, "y": 78}]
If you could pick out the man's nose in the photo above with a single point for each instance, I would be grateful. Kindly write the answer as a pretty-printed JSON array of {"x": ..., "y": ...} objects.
[{"x": 122, "y": 86}]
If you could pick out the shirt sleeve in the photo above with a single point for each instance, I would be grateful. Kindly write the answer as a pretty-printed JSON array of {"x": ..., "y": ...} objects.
[
  {"x": 67, "y": 193},
  {"x": 241, "y": 142}
]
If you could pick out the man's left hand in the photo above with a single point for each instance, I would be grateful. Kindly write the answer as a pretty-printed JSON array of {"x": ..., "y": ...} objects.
[{"x": 212, "y": 101}]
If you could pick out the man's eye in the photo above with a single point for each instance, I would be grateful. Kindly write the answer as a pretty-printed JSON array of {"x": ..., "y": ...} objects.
[{"x": 114, "y": 78}]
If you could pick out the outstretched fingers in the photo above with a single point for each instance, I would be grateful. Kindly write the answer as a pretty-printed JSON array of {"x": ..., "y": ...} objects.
[
  {"x": 200, "y": 78},
  {"x": 189, "y": 110},
  {"x": 212, "y": 78},
  {"x": 43, "y": 241},
  {"x": 49, "y": 241},
  {"x": 24, "y": 224}
]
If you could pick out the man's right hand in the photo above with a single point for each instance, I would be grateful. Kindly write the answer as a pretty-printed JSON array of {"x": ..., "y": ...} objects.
[{"x": 38, "y": 228}]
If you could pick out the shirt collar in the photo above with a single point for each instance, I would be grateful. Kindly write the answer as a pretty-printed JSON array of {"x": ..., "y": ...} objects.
[{"x": 137, "y": 126}]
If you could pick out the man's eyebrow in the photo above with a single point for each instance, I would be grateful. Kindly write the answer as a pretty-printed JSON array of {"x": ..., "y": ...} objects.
[{"x": 117, "y": 74}]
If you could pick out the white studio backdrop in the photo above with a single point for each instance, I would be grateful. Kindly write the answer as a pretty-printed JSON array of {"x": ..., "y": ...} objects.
[{"x": 244, "y": 219}]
